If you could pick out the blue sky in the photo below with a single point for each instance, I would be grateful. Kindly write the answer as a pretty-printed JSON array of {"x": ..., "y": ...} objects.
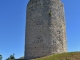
[{"x": 12, "y": 26}]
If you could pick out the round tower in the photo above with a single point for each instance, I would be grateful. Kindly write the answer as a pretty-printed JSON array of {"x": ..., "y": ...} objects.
[{"x": 45, "y": 28}]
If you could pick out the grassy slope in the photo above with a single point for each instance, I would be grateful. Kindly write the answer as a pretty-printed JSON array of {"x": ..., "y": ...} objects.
[{"x": 63, "y": 56}]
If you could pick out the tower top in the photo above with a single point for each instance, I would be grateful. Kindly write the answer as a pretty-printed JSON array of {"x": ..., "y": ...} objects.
[{"x": 35, "y": 0}]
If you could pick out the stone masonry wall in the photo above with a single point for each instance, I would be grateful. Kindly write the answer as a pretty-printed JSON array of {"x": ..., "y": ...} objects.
[{"x": 45, "y": 28}]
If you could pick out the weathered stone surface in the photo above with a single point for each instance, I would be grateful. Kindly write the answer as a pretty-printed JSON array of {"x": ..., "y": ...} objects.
[{"x": 45, "y": 28}]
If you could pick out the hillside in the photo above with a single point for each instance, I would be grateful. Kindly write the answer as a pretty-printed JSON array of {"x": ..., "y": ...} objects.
[{"x": 63, "y": 56}]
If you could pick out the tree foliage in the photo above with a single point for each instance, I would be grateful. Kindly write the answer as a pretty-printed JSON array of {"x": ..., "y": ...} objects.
[{"x": 11, "y": 57}]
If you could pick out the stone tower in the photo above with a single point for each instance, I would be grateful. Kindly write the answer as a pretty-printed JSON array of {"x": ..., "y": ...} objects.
[{"x": 45, "y": 28}]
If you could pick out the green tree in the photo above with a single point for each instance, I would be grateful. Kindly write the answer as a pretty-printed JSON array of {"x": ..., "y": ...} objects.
[
  {"x": 0, "y": 57},
  {"x": 7, "y": 59},
  {"x": 11, "y": 57}
]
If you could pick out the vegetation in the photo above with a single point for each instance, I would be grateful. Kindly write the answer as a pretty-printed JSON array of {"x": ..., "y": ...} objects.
[
  {"x": 11, "y": 57},
  {"x": 50, "y": 14},
  {"x": 0, "y": 57},
  {"x": 63, "y": 56}
]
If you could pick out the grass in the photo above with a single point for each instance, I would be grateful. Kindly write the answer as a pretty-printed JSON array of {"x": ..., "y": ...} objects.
[{"x": 63, "y": 56}]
